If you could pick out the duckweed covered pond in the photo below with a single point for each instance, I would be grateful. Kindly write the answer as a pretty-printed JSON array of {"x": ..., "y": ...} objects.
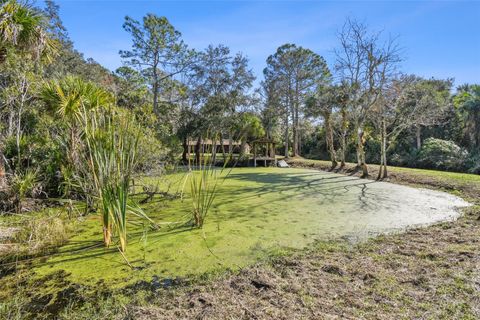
[{"x": 257, "y": 211}]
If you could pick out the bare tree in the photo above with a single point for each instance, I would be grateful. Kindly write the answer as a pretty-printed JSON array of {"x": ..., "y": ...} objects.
[
  {"x": 407, "y": 102},
  {"x": 366, "y": 63},
  {"x": 15, "y": 98}
]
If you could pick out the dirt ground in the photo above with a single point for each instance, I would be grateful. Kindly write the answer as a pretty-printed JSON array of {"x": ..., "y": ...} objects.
[
  {"x": 429, "y": 273},
  {"x": 426, "y": 273}
]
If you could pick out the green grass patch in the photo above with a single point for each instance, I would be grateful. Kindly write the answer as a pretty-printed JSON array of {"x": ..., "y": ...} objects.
[{"x": 258, "y": 213}]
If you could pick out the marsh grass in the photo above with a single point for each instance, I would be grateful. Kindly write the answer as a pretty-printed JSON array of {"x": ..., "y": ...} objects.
[{"x": 14, "y": 309}]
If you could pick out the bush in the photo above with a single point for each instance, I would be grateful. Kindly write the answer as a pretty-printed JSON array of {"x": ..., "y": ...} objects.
[
  {"x": 442, "y": 154},
  {"x": 152, "y": 153},
  {"x": 43, "y": 154},
  {"x": 472, "y": 164},
  {"x": 407, "y": 158}
]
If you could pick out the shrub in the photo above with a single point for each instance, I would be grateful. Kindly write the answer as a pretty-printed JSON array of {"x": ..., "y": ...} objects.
[
  {"x": 472, "y": 164},
  {"x": 44, "y": 154},
  {"x": 203, "y": 190},
  {"x": 39, "y": 235},
  {"x": 407, "y": 158},
  {"x": 442, "y": 154},
  {"x": 23, "y": 184}
]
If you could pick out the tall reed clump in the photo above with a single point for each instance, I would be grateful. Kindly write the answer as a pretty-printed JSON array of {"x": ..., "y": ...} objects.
[
  {"x": 204, "y": 179},
  {"x": 112, "y": 151}
]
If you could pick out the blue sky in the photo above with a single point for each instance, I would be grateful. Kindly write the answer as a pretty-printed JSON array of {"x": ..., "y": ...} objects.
[{"x": 439, "y": 38}]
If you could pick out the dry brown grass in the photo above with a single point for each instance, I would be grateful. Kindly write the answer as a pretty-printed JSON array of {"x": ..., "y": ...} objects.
[
  {"x": 430, "y": 273},
  {"x": 33, "y": 236}
]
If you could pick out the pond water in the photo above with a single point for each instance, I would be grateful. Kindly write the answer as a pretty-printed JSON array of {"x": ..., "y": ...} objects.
[{"x": 257, "y": 211}]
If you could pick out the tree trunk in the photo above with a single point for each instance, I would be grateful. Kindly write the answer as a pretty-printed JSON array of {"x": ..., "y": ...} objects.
[
  {"x": 385, "y": 171},
  {"x": 384, "y": 144},
  {"x": 155, "y": 99},
  {"x": 295, "y": 116},
  {"x": 185, "y": 150},
  {"x": 223, "y": 151},
  {"x": 197, "y": 151},
  {"x": 380, "y": 165},
  {"x": 300, "y": 142},
  {"x": 11, "y": 117},
  {"x": 343, "y": 139},
  {"x": 343, "y": 146},
  {"x": 364, "y": 170},
  {"x": 18, "y": 134},
  {"x": 381, "y": 168},
  {"x": 296, "y": 151},
  {"x": 361, "y": 152},
  {"x": 286, "y": 136},
  {"x": 214, "y": 151},
  {"x": 230, "y": 147},
  {"x": 243, "y": 147},
  {"x": 3, "y": 178},
  {"x": 359, "y": 147},
  {"x": 329, "y": 139},
  {"x": 419, "y": 137},
  {"x": 155, "y": 89}
]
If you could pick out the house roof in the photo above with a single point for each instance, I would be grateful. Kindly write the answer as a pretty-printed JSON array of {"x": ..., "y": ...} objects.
[
  {"x": 264, "y": 140},
  {"x": 226, "y": 142}
]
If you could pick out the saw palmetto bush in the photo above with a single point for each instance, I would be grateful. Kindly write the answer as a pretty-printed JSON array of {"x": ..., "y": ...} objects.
[{"x": 21, "y": 184}]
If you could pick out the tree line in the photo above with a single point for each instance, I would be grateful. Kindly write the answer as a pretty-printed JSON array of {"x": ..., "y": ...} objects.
[{"x": 360, "y": 109}]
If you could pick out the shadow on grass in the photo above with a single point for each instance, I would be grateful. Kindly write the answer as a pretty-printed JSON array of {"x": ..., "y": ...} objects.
[{"x": 322, "y": 186}]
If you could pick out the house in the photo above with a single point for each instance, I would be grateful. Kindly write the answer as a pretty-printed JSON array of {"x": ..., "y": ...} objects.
[{"x": 222, "y": 145}]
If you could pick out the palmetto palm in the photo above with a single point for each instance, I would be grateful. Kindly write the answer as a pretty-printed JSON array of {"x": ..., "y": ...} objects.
[
  {"x": 109, "y": 142},
  {"x": 24, "y": 28},
  {"x": 72, "y": 98}
]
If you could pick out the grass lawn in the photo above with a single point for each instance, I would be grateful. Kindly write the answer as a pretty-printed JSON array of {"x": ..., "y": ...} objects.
[
  {"x": 468, "y": 185},
  {"x": 258, "y": 212}
]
